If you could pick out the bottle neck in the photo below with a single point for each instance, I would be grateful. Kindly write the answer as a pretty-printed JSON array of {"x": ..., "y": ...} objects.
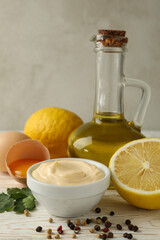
[{"x": 109, "y": 83}]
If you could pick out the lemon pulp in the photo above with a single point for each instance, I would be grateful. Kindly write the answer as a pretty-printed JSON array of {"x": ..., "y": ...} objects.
[{"x": 135, "y": 170}]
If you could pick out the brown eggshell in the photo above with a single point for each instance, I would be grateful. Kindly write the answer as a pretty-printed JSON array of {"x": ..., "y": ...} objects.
[
  {"x": 7, "y": 139},
  {"x": 26, "y": 149}
]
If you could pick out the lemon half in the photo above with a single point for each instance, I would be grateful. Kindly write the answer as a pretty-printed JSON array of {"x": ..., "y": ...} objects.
[{"x": 135, "y": 171}]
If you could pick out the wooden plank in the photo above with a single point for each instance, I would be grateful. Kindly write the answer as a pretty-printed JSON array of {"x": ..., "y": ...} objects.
[{"x": 18, "y": 227}]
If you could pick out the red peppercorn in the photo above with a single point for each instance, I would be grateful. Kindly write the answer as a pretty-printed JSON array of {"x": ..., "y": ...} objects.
[
  {"x": 105, "y": 229},
  {"x": 77, "y": 230},
  {"x": 59, "y": 230}
]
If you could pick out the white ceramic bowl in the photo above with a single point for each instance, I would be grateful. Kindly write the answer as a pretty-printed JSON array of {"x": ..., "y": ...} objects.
[{"x": 69, "y": 201}]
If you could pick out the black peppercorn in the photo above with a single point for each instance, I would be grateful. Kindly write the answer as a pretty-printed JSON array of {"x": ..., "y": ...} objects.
[
  {"x": 110, "y": 235},
  {"x": 104, "y": 219},
  {"x": 97, "y": 210},
  {"x": 129, "y": 236},
  {"x": 125, "y": 235},
  {"x": 104, "y": 236},
  {"x": 119, "y": 227},
  {"x": 135, "y": 228},
  {"x": 108, "y": 224},
  {"x": 127, "y": 222},
  {"x": 72, "y": 226},
  {"x": 69, "y": 223},
  {"x": 39, "y": 229},
  {"x": 130, "y": 227},
  {"x": 111, "y": 213},
  {"x": 88, "y": 221},
  {"x": 97, "y": 228}
]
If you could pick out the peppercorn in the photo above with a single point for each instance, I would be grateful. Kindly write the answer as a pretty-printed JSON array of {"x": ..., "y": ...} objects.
[
  {"x": 111, "y": 213},
  {"x": 50, "y": 220},
  {"x": 39, "y": 229},
  {"x": 130, "y": 227},
  {"x": 135, "y": 228},
  {"x": 69, "y": 223},
  {"x": 108, "y": 224},
  {"x": 49, "y": 236},
  {"x": 125, "y": 235},
  {"x": 98, "y": 220},
  {"x": 129, "y": 236},
  {"x": 119, "y": 227},
  {"x": 49, "y": 231},
  {"x": 59, "y": 230},
  {"x": 88, "y": 221},
  {"x": 104, "y": 219},
  {"x": 97, "y": 210},
  {"x": 105, "y": 229},
  {"x": 110, "y": 235},
  {"x": 74, "y": 236},
  {"x": 103, "y": 236},
  {"x": 57, "y": 236},
  {"x": 77, "y": 222},
  {"x": 97, "y": 228},
  {"x": 72, "y": 226},
  {"x": 84, "y": 223},
  {"x": 77, "y": 230},
  {"x": 92, "y": 230},
  {"x": 127, "y": 222},
  {"x": 98, "y": 235},
  {"x": 26, "y": 213},
  {"x": 92, "y": 220}
]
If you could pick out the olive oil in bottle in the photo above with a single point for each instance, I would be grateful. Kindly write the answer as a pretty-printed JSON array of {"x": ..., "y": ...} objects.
[{"x": 109, "y": 130}]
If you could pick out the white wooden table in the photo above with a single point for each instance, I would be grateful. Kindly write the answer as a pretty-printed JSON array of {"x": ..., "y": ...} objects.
[{"x": 18, "y": 226}]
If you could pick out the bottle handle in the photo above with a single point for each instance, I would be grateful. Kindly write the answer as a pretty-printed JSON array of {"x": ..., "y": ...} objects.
[{"x": 146, "y": 94}]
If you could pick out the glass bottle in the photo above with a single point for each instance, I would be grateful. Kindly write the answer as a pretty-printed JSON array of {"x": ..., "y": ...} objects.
[{"x": 109, "y": 130}]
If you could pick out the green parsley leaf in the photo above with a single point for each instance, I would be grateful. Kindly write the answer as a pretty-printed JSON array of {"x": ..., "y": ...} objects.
[
  {"x": 29, "y": 202},
  {"x": 6, "y": 203},
  {"x": 16, "y": 193},
  {"x": 17, "y": 200},
  {"x": 19, "y": 206},
  {"x": 26, "y": 191}
]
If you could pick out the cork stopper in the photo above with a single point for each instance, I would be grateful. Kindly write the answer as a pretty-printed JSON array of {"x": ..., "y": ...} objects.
[{"x": 111, "y": 38}]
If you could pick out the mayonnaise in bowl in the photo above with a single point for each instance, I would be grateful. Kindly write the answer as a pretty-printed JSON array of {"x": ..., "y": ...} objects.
[{"x": 67, "y": 172}]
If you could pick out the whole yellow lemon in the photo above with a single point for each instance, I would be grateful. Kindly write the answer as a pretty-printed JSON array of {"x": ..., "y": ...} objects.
[{"x": 52, "y": 127}]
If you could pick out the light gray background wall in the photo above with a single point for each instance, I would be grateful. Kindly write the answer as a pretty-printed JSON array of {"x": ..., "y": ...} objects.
[{"x": 46, "y": 58}]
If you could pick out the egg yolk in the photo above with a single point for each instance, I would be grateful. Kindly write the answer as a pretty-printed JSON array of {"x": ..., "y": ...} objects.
[{"x": 19, "y": 167}]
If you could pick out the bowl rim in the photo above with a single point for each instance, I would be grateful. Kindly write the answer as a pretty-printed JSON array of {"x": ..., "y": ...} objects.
[{"x": 100, "y": 166}]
